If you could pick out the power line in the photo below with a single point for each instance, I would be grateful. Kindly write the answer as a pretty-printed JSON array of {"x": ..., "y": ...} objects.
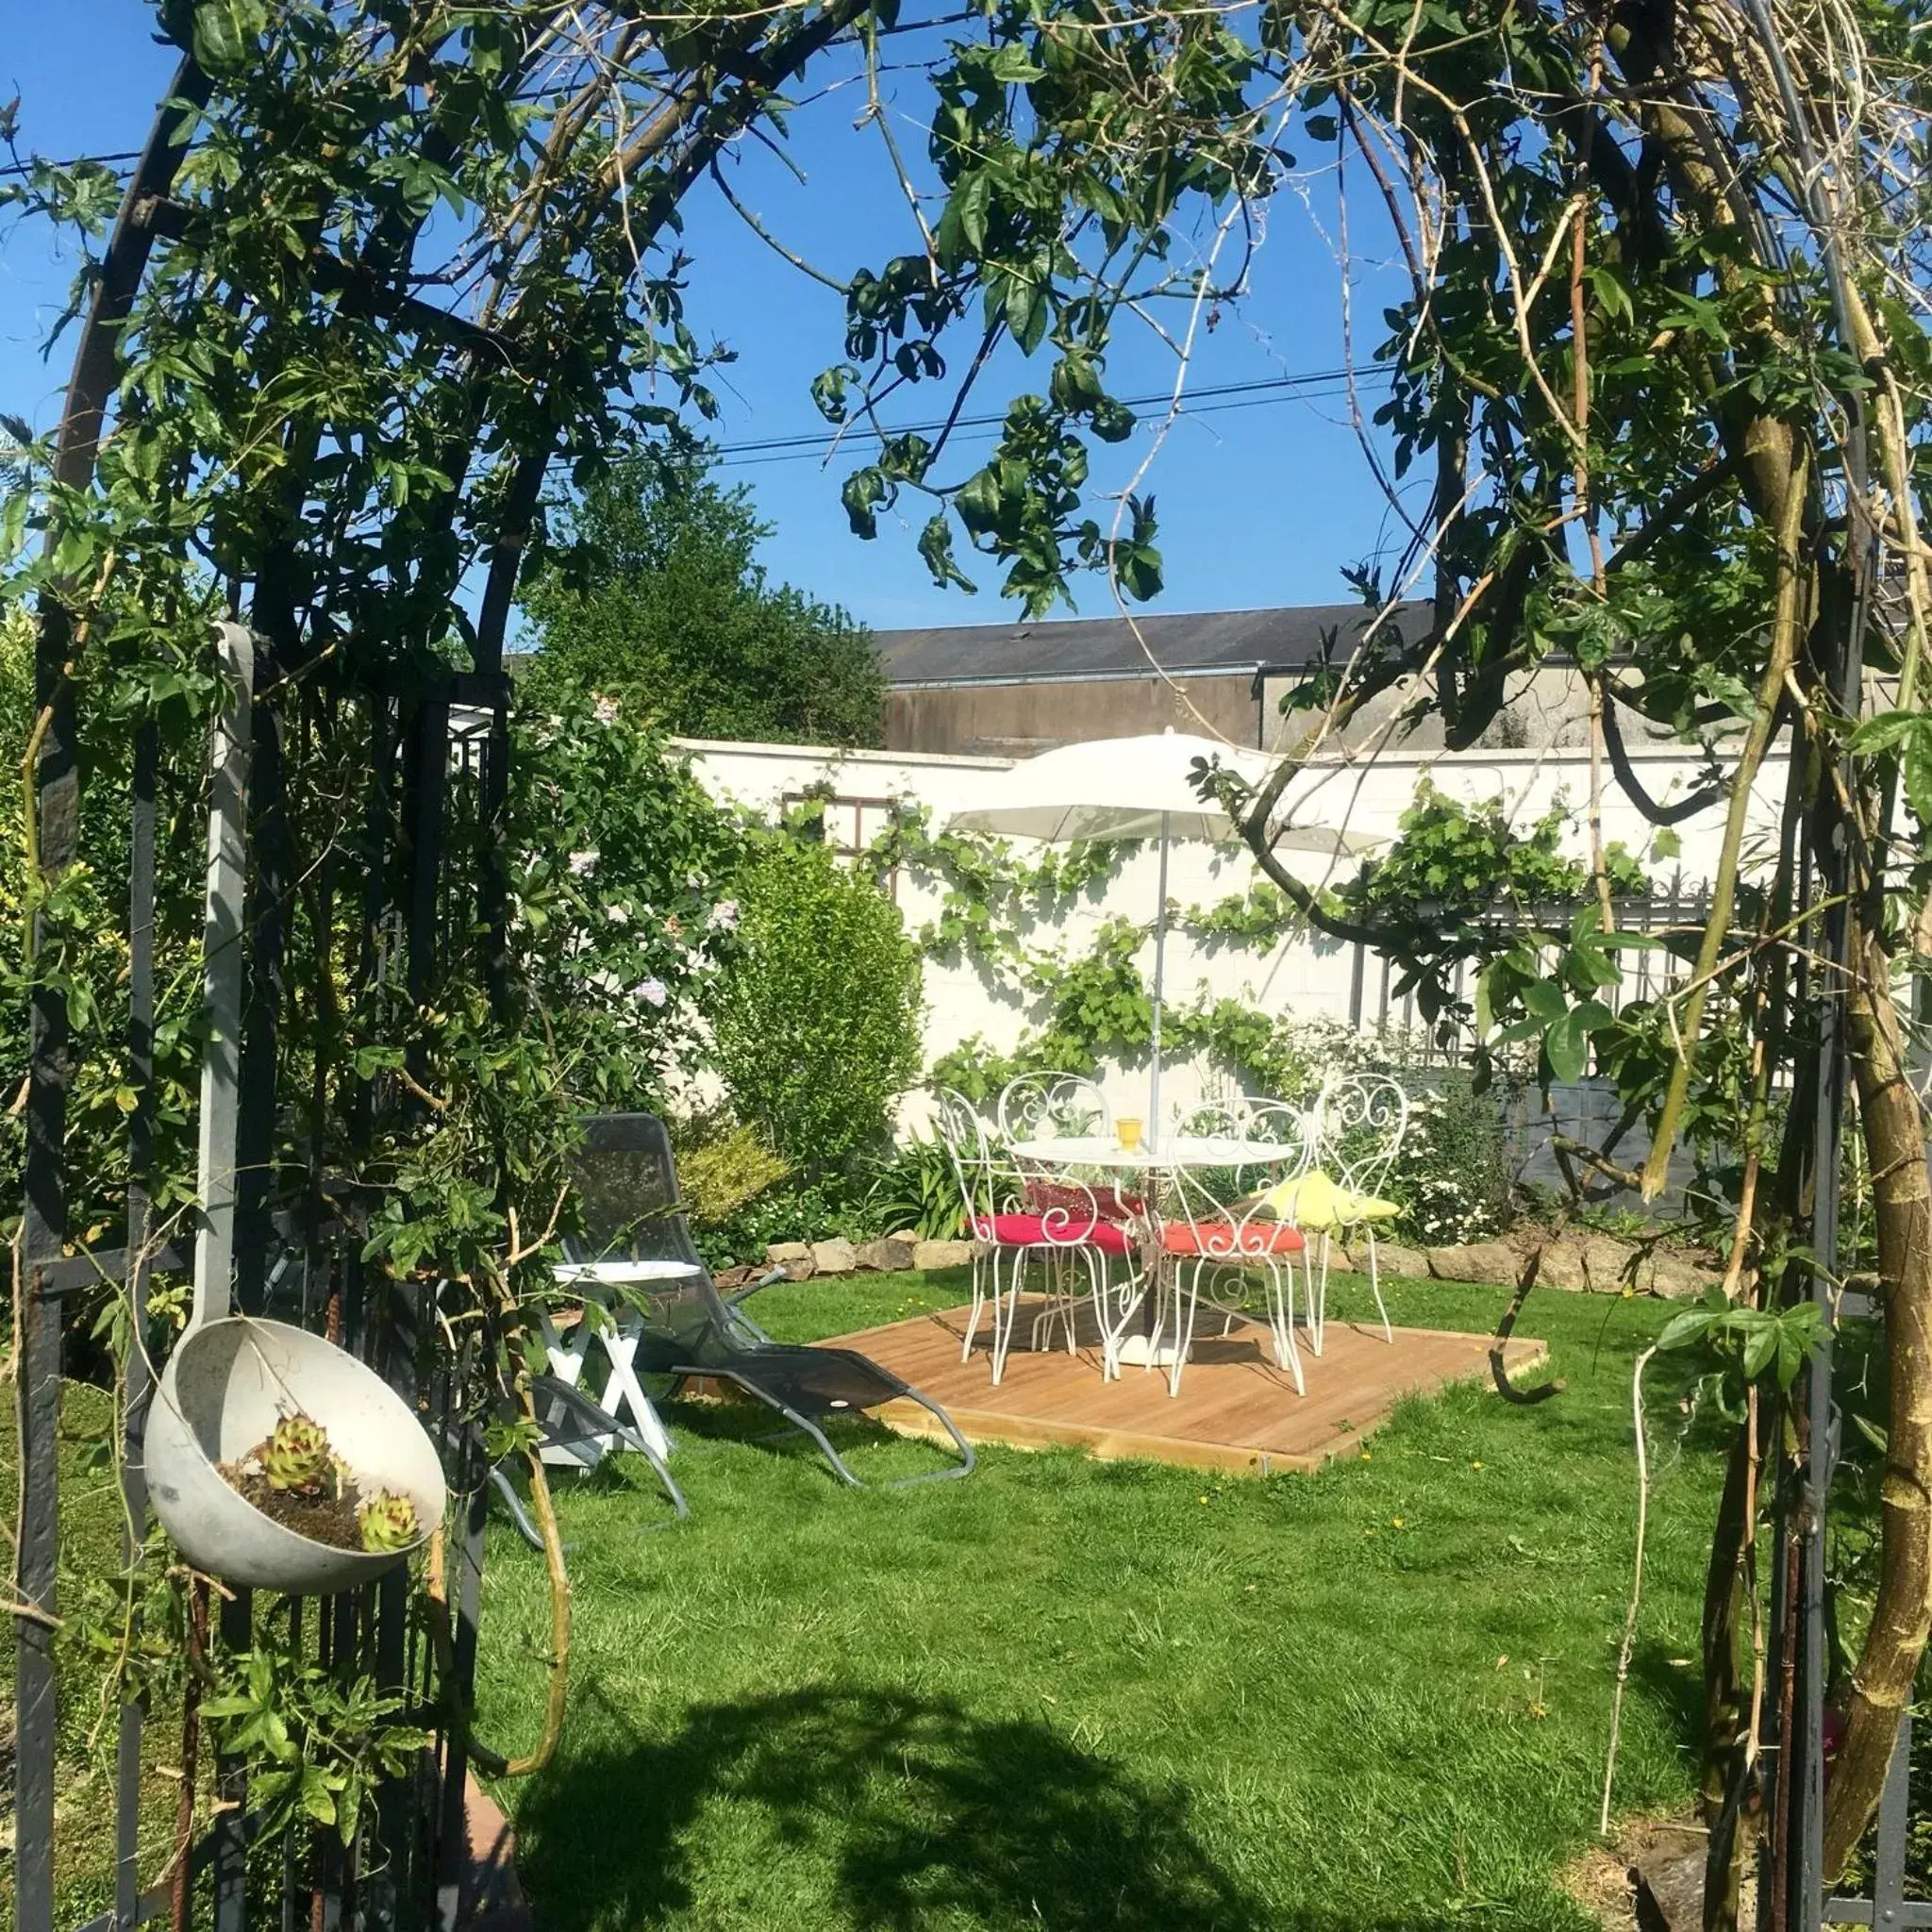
[
  {"x": 1316, "y": 385},
  {"x": 1313, "y": 384},
  {"x": 132, "y": 154}
]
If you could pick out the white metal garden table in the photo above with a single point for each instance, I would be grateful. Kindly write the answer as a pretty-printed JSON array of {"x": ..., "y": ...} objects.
[
  {"x": 1157, "y": 1168},
  {"x": 617, "y": 1336}
]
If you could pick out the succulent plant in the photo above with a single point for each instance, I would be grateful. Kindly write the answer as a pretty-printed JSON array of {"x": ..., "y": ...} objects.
[
  {"x": 388, "y": 1522},
  {"x": 297, "y": 1456}
]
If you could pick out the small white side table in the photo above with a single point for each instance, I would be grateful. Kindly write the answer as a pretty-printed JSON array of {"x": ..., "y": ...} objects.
[{"x": 569, "y": 1350}]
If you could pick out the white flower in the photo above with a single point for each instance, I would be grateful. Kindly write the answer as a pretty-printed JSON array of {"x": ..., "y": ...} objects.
[
  {"x": 653, "y": 991},
  {"x": 616, "y": 915},
  {"x": 724, "y": 916},
  {"x": 580, "y": 862},
  {"x": 606, "y": 711}
]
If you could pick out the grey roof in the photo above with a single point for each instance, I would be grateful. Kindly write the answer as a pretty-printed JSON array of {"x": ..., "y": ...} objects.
[{"x": 1227, "y": 641}]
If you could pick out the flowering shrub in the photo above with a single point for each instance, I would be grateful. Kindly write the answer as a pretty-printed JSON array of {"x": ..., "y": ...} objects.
[{"x": 1452, "y": 1178}]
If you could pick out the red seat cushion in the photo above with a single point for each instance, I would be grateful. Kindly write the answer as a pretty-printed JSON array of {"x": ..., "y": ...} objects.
[
  {"x": 1222, "y": 1239},
  {"x": 1051, "y": 1231},
  {"x": 1044, "y": 1196}
]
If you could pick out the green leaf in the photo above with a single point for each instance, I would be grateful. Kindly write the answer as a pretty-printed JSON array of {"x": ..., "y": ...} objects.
[
  {"x": 1888, "y": 731},
  {"x": 1681, "y": 1330},
  {"x": 1545, "y": 998},
  {"x": 1567, "y": 1047},
  {"x": 1917, "y": 771},
  {"x": 225, "y": 32},
  {"x": 317, "y": 1800},
  {"x": 1013, "y": 66}
]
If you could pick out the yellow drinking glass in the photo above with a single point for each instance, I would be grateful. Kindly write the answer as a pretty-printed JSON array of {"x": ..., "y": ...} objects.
[{"x": 1128, "y": 1132}]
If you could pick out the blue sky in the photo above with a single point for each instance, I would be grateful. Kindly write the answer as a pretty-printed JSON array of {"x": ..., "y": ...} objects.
[{"x": 1262, "y": 503}]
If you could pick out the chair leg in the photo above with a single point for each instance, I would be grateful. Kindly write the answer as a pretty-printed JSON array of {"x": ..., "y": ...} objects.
[
  {"x": 1317, "y": 1290},
  {"x": 1375, "y": 1288},
  {"x": 1002, "y": 1329},
  {"x": 1184, "y": 1330},
  {"x": 998, "y": 1259},
  {"x": 967, "y": 1458},
  {"x": 500, "y": 1481},
  {"x": 798, "y": 1422},
  {"x": 973, "y": 1313},
  {"x": 1286, "y": 1355}
]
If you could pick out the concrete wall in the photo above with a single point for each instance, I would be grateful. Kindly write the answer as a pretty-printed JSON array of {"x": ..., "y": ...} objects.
[
  {"x": 1548, "y": 707},
  {"x": 1019, "y": 719},
  {"x": 1306, "y": 976}
]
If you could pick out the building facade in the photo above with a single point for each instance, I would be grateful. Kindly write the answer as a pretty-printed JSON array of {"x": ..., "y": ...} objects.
[{"x": 1014, "y": 689}]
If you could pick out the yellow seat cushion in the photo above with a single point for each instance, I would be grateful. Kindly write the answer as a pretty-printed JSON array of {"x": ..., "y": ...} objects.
[
  {"x": 1369, "y": 1208},
  {"x": 1314, "y": 1200}
]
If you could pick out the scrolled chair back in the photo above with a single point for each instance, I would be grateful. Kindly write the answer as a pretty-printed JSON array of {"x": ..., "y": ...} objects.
[
  {"x": 1006, "y": 1201},
  {"x": 1211, "y": 1120},
  {"x": 1276, "y": 1124},
  {"x": 1052, "y": 1107},
  {"x": 1362, "y": 1120},
  {"x": 968, "y": 1152}
]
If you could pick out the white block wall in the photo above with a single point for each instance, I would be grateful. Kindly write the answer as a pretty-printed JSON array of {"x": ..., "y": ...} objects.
[{"x": 1307, "y": 975}]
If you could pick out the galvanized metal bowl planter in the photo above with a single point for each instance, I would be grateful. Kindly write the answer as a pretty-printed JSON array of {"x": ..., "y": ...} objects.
[{"x": 227, "y": 1385}]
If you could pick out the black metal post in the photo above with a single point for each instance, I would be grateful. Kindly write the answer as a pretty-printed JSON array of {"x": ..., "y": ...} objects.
[
  {"x": 136, "y": 1378},
  {"x": 57, "y": 809},
  {"x": 265, "y": 926}
]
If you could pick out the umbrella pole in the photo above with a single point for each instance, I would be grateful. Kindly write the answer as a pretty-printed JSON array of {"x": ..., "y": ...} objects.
[{"x": 1159, "y": 975}]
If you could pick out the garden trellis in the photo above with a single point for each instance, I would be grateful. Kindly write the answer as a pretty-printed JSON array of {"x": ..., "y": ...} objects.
[{"x": 300, "y": 1233}]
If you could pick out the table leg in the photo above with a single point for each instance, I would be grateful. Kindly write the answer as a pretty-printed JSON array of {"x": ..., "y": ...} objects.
[{"x": 1143, "y": 1348}]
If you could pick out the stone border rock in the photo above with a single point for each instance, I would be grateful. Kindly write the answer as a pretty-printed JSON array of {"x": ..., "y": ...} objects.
[{"x": 1584, "y": 1263}]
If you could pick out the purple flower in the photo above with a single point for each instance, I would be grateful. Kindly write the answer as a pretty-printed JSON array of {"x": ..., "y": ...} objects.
[{"x": 653, "y": 991}]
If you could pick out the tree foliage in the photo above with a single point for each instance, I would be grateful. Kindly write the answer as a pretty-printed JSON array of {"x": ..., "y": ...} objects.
[{"x": 650, "y": 593}]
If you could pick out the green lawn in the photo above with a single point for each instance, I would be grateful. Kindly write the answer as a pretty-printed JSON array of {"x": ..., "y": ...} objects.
[{"x": 1076, "y": 1695}]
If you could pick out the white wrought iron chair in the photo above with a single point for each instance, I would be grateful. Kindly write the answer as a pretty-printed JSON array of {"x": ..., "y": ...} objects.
[
  {"x": 1360, "y": 1122},
  {"x": 1206, "y": 1243},
  {"x": 1056, "y": 1107},
  {"x": 1012, "y": 1218}
]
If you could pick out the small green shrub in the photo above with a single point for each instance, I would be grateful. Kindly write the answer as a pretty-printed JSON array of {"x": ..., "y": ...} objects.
[
  {"x": 817, "y": 1023},
  {"x": 722, "y": 1166},
  {"x": 1452, "y": 1176},
  {"x": 915, "y": 1190},
  {"x": 795, "y": 1210}
]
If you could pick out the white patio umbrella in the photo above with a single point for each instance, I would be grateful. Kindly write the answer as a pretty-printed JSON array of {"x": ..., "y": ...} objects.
[{"x": 1132, "y": 787}]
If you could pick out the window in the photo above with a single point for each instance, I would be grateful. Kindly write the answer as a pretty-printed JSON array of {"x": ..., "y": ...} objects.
[{"x": 850, "y": 825}]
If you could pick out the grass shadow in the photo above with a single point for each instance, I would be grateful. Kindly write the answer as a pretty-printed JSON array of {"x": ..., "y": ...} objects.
[{"x": 896, "y": 1811}]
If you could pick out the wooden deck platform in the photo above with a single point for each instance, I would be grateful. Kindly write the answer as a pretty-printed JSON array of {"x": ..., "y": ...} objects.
[{"x": 1236, "y": 1411}]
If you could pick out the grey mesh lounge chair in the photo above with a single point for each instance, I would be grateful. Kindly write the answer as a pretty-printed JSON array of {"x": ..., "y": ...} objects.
[{"x": 627, "y": 1211}]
